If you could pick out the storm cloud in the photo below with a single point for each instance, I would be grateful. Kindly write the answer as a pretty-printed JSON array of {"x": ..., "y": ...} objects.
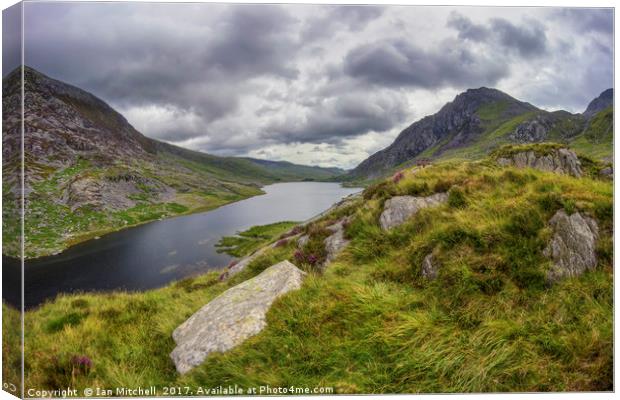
[
  {"x": 528, "y": 39},
  {"x": 310, "y": 83},
  {"x": 399, "y": 63}
]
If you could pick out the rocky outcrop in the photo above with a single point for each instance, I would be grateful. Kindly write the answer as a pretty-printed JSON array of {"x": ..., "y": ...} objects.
[
  {"x": 573, "y": 245},
  {"x": 234, "y": 316},
  {"x": 429, "y": 267},
  {"x": 399, "y": 209},
  {"x": 561, "y": 161},
  {"x": 336, "y": 241},
  {"x": 534, "y": 130}
]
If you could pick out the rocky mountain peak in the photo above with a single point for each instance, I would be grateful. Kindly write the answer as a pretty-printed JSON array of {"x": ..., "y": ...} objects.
[
  {"x": 600, "y": 103},
  {"x": 456, "y": 124}
]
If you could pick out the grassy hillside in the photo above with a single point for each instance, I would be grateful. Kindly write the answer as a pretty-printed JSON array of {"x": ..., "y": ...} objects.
[
  {"x": 597, "y": 138},
  {"x": 252, "y": 239},
  {"x": 371, "y": 323}
]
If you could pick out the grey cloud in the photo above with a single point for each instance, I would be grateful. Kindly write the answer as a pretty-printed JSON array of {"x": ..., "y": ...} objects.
[
  {"x": 191, "y": 66},
  {"x": 400, "y": 63},
  {"x": 11, "y": 38},
  {"x": 353, "y": 18},
  {"x": 242, "y": 77},
  {"x": 341, "y": 117},
  {"x": 587, "y": 20},
  {"x": 466, "y": 28},
  {"x": 527, "y": 40}
]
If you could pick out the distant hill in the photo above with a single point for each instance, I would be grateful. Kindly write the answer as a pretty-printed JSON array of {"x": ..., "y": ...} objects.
[
  {"x": 480, "y": 120},
  {"x": 87, "y": 170}
]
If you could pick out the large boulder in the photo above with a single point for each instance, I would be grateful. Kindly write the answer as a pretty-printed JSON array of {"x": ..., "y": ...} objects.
[
  {"x": 573, "y": 245},
  {"x": 234, "y": 316},
  {"x": 399, "y": 209},
  {"x": 560, "y": 161}
]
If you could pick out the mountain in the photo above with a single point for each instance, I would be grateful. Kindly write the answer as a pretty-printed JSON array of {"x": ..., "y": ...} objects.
[
  {"x": 604, "y": 100},
  {"x": 480, "y": 120},
  {"x": 88, "y": 171}
]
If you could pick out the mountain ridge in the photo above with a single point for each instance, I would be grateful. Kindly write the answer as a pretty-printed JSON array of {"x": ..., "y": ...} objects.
[{"x": 478, "y": 120}]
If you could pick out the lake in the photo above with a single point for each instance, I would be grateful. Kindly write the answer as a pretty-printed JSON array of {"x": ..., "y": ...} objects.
[{"x": 154, "y": 254}]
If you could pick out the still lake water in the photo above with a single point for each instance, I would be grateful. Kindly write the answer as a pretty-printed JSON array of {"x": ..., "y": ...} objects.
[{"x": 154, "y": 254}]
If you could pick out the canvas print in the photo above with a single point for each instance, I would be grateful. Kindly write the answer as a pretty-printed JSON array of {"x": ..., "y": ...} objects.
[{"x": 205, "y": 199}]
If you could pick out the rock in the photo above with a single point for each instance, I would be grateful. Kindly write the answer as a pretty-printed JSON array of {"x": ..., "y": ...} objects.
[
  {"x": 573, "y": 245},
  {"x": 607, "y": 172},
  {"x": 335, "y": 242},
  {"x": 399, "y": 209},
  {"x": 241, "y": 264},
  {"x": 429, "y": 269},
  {"x": 234, "y": 316},
  {"x": 534, "y": 130},
  {"x": 301, "y": 242},
  {"x": 561, "y": 161},
  {"x": 457, "y": 124}
]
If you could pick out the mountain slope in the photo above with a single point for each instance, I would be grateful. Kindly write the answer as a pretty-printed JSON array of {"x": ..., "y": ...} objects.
[
  {"x": 480, "y": 120},
  {"x": 603, "y": 101},
  {"x": 88, "y": 171}
]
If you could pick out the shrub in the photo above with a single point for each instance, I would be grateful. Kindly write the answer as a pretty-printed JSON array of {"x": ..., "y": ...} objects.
[
  {"x": 81, "y": 364},
  {"x": 397, "y": 177},
  {"x": 380, "y": 190},
  {"x": 524, "y": 223},
  {"x": 456, "y": 198},
  {"x": 442, "y": 185},
  {"x": 281, "y": 242},
  {"x": 417, "y": 189},
  {"x": 79, "y": 303},
  {"x": 70, "y": 319}
]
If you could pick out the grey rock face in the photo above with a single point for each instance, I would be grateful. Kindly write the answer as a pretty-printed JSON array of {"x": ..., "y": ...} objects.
[
  {"x": 597, "y": 105},
  {"x": 560, "y": 161},
  {"x": 399, "y": 209},
  {"x": 335, "y": 242},
  {"x": 535, "y": 130},
  {"x": 301, "y": 242},
  {"x": 607, "y": 172},
  {"x": 429, "y": 269},
  {"x": 234, "y": 316},
  {"x": 573, "y": 245},
  {"x": 457, "y": 119}
]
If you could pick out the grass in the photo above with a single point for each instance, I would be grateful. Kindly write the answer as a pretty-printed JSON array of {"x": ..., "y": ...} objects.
[
  {"x": 371, "y": 323},
  {"x": 252, "y": 239}
]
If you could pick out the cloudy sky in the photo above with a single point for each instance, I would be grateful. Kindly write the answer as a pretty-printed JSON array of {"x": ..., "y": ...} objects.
[{"x": 319, "y": 85}]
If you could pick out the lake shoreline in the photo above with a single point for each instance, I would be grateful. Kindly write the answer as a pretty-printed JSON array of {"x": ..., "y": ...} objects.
[
  {"x": 149, "y": 255},
  {"x": 97, "y": 234}
]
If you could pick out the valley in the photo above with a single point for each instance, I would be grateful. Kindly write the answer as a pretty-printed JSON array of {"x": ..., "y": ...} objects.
[{"x": 88, "y": 172}]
